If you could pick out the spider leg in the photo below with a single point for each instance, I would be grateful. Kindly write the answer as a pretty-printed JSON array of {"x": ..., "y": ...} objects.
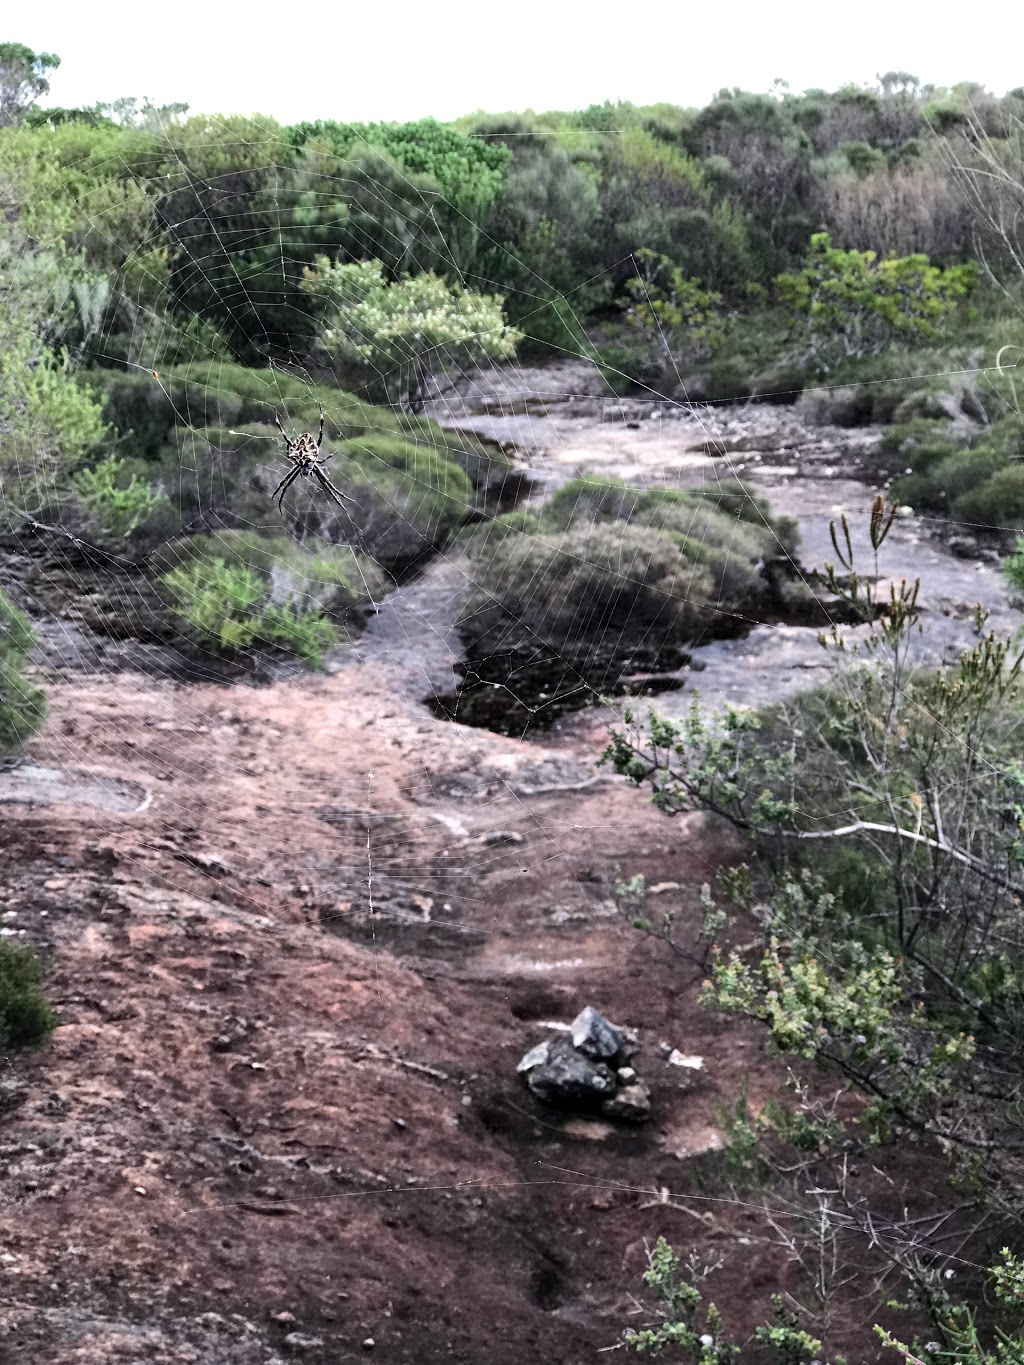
[
  {"x": 320, "y": 438},
  {"x": 285, "y": 484},
  {"x": 339, "y": 497},
  {"x": 282, "y": 483},
  {"x": 281, "y": 429}
]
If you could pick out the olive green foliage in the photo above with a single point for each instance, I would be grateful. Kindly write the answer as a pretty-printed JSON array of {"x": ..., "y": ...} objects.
[
  {"x": 47, "y": 420},
  {"x": 997, "y": 504},
  {"x": 409, "y": 330},
  {"x": 26, "y": 1017},
  {"x": 192, "y": 233},
  {"x": 1013, "y": 567},
  {"x": 576, "y": 586},
  {"x": 885, "y": 811},
  {"x": 978, "y": 479},
  {"x": 895, "y": 791},
  {"x": 691, "y": 1329},
  {"x": 541, "y": 237},
  {"x": 240, "y": 591},
  {"x": 331, "y": 578},
  {"x": 606, "y": 562},
  {"x": 659, "y": 196},
  {"x": 962, "y": 1341},
  {"x": 687, "y": 1325},
  {"x": 680, "y": 321},
  {"x": 22, "y": 706},
  {"x": 408, "y": 479},
  {"x": 118, "y": 504},
  {"x": 856, "y": 305}
]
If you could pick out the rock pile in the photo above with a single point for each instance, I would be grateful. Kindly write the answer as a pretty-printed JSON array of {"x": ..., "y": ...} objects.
[{"x": 588, "y": 1068}]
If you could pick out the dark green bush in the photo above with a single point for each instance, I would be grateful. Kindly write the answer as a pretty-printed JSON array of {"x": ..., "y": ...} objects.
[
  {"x": 909, "y": 435},
  {"x": 606, "y": 564},
  {"x": 928, "y": 455},
  {"x": 966, "y": 470},
  {"x": 625, "y": 367},
  {"x": 997, "y": 503},
  {"x": 957, "y": 478},
  {"x": 25, "y": 1014},
  {"x": 22, "y": 706},
  {"x": 727, "y": 380},
  {"x": 406, "y": 495},
  {"x": 781, "y": 384},
  {"x": 222, "y": 395},
  {"x": 581, "y": 585}
]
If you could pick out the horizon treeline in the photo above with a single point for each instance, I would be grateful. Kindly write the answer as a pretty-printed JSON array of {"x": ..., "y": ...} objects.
[{"x": 208, "y": 223}]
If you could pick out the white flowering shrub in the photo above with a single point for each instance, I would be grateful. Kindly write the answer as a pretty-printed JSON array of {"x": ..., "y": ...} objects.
[{"x": 409, "y": 330}]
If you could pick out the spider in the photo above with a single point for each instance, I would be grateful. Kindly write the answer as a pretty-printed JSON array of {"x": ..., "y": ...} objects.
[{"x": 306, "y": 459}]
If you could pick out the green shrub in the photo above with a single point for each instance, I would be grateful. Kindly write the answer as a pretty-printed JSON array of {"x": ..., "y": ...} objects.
[
  {"x": 966, "y": 470},
  {"x": 780, "y": 383},
  {"x": 678, "y": 321},
  {"x": 851, "y": 405},
  {"x": 227, "y": 606},
  {"x": 854, "y": 305},
  {"x": 973, "y": 481},
  {"x": 908, "y": 436},
  {"x": 406, "y": 496},
  {"x": 927, "y": 455},
  {"x": 727, "y": 380},
  {"x": 335, "y": 579},
  {"x": 998, "y": 502},
  {"x": 25, "y": 1013},
  {"x": 517, "y": 523},
  {"x": 579, "y": 585},
  {"x": 116, "y": 506},
  {"x": 22, "y": 706},
  {"x": 624, "y": 367},
  {"x": 224, "y": 395},
  {"x": 1013, "y": 567},
  {"x": 869, "y": 802},
  {"x": 405, "y": 329},
  {"x": 603, "y": 565},
  {"x": 724, "y": 526}
]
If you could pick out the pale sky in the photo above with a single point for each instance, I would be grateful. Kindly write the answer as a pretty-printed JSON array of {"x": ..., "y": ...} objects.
[{"x": 394, "y": 60}]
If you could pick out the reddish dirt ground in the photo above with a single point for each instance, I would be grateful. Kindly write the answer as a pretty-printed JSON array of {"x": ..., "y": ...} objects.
[{"x": 280, "y": 1117}]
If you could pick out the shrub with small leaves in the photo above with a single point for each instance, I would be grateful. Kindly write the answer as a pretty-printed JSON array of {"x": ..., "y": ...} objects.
[
  {"x": 854, "y": 305},
  {"x": 22, "y": 706},
  {"x": 408, "y": 330},
  {"x": 25, "y": 1013},
  {"x": 679, "y": 320},
  {"x": 119, "y": 506},
  {"x": 685, "y": 1323},
  {"x": 229, "y": 607}
]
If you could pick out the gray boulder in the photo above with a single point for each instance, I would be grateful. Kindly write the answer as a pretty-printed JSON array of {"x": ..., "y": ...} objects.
[
  {"x": 566, "y": 1077},
  {"x": 535, "y": 1057},
  {"x": 595, "y": 1036},
  {"x": 631, "y": 1102}
]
